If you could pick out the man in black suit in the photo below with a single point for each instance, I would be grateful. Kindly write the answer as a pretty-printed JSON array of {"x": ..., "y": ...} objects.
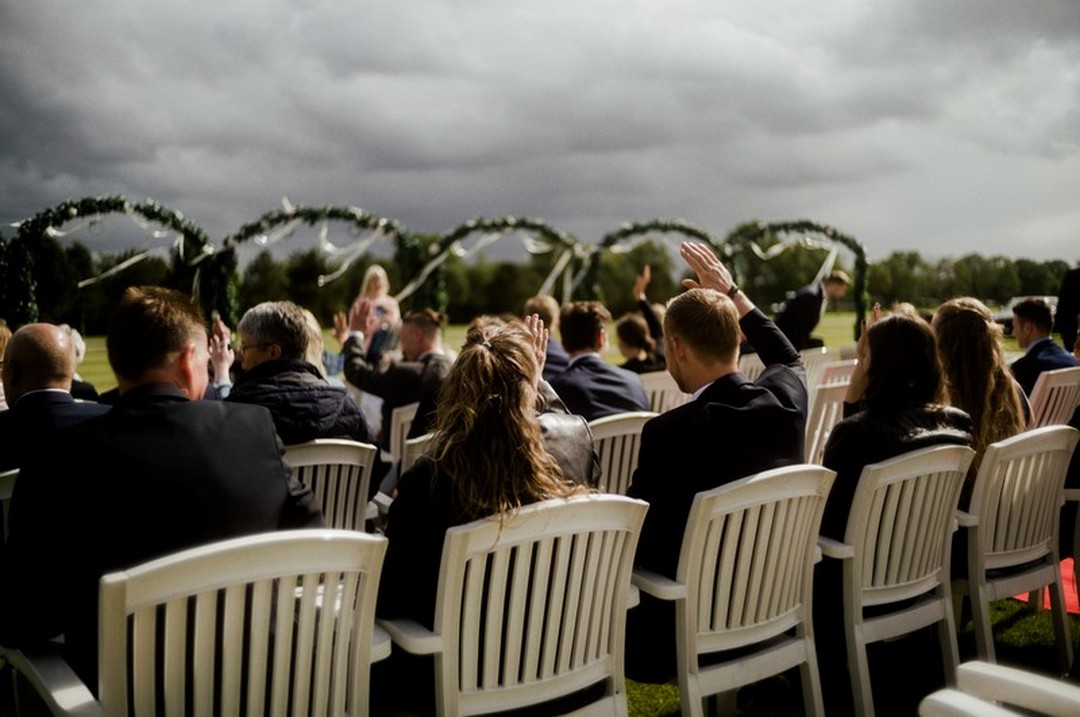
[
  {"x": 159, "y": 473},
  {"x": 1032, "y": 319},
  {"x": 38, "y": 367},
  {"x": 422, "y": 371},
  {"x": 731, "y": 429},
  {"x": 589, "y": 386},
  {"x": 802, "y": 312}
]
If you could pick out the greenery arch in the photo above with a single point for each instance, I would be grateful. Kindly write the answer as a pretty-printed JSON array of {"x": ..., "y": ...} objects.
[
  {"x": 628, "y": 232},
  {"x": 18, "y": 303},
  {"x": 408, "y": 252},
  {"x": 550, "y": 239},
  {"x": 746, "y": 236}
]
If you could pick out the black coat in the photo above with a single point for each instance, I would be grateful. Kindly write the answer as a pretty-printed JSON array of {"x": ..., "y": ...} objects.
[{"x": 303, "y": 404}]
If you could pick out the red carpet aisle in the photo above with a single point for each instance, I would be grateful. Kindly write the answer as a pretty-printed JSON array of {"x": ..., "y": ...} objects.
[{"x": 1068, "y": 580}]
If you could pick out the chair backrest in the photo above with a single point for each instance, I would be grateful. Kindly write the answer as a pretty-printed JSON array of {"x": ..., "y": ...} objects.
[
  {"x": 401, "y": 420},
  {"x": 662, "y": 391},
  {"x": 751, "y": 366},
  {"x": 338, "y": 471},
  {"x": 901, "y": 521},
  {"x": 826, "y": 410},
  {"x": 616, "y": 440},
  {"x": 814, "y": 361},
  {"x": 1055, "y": 397},
  {"x": 534, "y": 607},
  {"x": 1017, "y": 496},
  {"x": 414, "y": 448},
  {"x": 280, "y": 623},
  {"x": 835, "y": 372},
  {"x": 7, "y": 487},
  {"x": 747, "y": 557}
]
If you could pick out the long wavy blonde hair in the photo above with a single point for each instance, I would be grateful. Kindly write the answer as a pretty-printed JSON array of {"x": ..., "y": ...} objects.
[
  {"x": 977, "y": 379},
  {"x": 487, "y": 438}
]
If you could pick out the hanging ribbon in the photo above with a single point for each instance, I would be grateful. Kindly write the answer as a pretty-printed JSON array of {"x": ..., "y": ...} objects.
[
  {"x": 115, "y": 270},
  {"x": 354, "y": 252},
  {"x": 424, "y": 273},
  {"x": 560, "y": 264}
]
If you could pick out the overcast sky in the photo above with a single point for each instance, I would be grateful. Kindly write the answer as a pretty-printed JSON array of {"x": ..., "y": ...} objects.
[{"x": 943, "y": 127}]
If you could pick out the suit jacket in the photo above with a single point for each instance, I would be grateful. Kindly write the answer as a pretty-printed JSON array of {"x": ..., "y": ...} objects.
[
  {"x": 592, "y": 388},
  {"x": 1042, "y": 355},
  {"x": 400, "y": 384},
  {"x": 733, "y": 429},
  {"x": 155, "y": 475},
  {"x": 801, "y": 313},
  {"x": 555, "y": 360},
  {"x": 27, "y": 428}
]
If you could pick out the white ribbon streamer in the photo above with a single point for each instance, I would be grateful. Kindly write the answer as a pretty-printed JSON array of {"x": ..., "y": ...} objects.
[{"x": 115, "y": 270}]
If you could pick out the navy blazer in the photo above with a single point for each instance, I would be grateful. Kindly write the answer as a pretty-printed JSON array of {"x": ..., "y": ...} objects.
[
  {"x": 555, "y": 360},
  {"x": 1043, "y": 355},
  {"x": 27, "y": 428},
  {"x": 592, "y": 388}
]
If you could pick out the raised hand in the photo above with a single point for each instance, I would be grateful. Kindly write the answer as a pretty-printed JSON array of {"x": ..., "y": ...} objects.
[
  {"x": 641, "y": 282},
  {"x": 711, "y": 272},
  {"x": 540, "y": 334}
]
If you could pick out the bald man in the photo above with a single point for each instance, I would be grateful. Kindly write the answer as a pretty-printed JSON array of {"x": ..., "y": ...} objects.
[{"x": 38, "y": 365}]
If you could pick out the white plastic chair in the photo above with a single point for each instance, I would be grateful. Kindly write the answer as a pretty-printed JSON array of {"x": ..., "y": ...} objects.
[
  {"x": 1055, "y": 397},
  {"x": 532, "y": 607},
  {"x": 662, "y": 391},
  {"x": 751, "y": 366},
  {"x": 225, "y": 625},
  {"x": 981, "y": 685},
  {"x": 896, "y": 549},
  {"x": 827, "y": 409},
  {"x": 745, "y": 578},
  {"x": 616, "y": 440},
  {"x": 814, "y": 361},
  {"x": 7, "y": 487},
  {"x": 1012, "y": 524},
  {"x": 338, "y": 471},
  {"x": 401, "y": 420},
  {"x": 414, "y": 448},
  {"x": 835, "y": 372}
]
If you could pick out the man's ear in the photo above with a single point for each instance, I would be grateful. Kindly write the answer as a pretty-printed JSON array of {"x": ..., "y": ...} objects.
[
  {"x": 601, "y": 341},
  {"x": 273, "y": 351},
  {"x": 186, "y": 367}
]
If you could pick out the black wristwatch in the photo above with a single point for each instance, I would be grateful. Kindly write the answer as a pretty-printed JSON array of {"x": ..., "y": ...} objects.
[{"x": 733, "y": 291}]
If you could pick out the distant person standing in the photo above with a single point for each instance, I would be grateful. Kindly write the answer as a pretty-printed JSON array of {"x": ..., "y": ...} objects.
[
  {"x": 382, "y": 320},
  {"x": 803, "y": 310}
]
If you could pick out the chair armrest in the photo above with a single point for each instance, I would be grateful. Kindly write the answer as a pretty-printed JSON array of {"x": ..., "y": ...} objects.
[
  {"x": 966, "y": 519},
  {"x": 54, "y": 681},
  {"x": 1019, "y": 687},
  {"x": 380, "y": 644},
  {"x": 835, "y": 549},
  {"x": 1072, "y": 494},
  {"x": 382, "y": 501},
  {"x": 655, "y": 584},
  {"x": 633, "y": 598},
  {"x": 411, "y": 636},
  {"x": 954, "y": 703}
]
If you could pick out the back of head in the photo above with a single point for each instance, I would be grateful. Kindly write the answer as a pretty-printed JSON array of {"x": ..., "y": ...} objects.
[
  {"x": 707, "y": 321},
  {"x": 428, "y": 321},
  {"x": 37, "y": 356},
  {"x": 580, "y": 324},
  {"x": 838, "y": 277},
  {"x": 280, "y": 323},
  {"x": 545, "y": 307},
  {"x": 904, "y": 365},
  {"x": 314, "y": 353},
  {"x": 149, "y": 325},
  {"x": 977, "y": 379},
  {"x": 1037, "y": 312},
  {"x": 487, "y": 439},
  {"x": 634, "y": 332}
]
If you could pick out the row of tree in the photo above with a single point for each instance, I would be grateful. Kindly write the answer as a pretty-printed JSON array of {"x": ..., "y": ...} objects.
[{"x": 486, "y": 286}]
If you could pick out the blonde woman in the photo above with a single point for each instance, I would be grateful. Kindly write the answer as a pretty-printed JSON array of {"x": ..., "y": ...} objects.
[
  {"x": 977, "y": 378},
  {"x": 384, "y": 312}
]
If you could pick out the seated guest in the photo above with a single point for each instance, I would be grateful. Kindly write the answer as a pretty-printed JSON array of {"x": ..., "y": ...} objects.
[
  {"x": 547, "y": 309},
  {"x": 160, "y": 472},
  {"x": 422, "y": 371},
  {"x": 589, "y": 386},
  {"x": 274, "y": 339},
  {"x": 1032, "y": 319},
  {"x": 80, "y": 389},
  {"x": 894, "y": 404},
  {"x": 38, "y": 365},
  {"x": 977, "y": 379},
  {"x": 731, "y": 429},
  {"x": 637, "y": 346},
  {"x": 566, "y": 436},
  {"x": 487, "y": 458}
]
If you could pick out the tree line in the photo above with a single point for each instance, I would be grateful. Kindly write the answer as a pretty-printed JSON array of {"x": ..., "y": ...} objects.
[{"x": 487, "y": 286}]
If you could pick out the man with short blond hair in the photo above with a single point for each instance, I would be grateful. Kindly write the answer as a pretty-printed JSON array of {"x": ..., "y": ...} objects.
[{"x": 732, "y": 428}]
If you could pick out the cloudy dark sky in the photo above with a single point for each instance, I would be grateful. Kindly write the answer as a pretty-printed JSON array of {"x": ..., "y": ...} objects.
[{"x": 944, "y": 127}]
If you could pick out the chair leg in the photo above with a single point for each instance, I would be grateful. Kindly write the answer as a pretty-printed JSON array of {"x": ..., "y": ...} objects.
[
  {"x": 859, "y": 668},
  {"x": 980, "y": 618},
  {"x": 1061, "y": 626},
  {"x": 950, "y": 650},
  {"x": 690, "y": 695},
  {"x": 813, "y": 703}
]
